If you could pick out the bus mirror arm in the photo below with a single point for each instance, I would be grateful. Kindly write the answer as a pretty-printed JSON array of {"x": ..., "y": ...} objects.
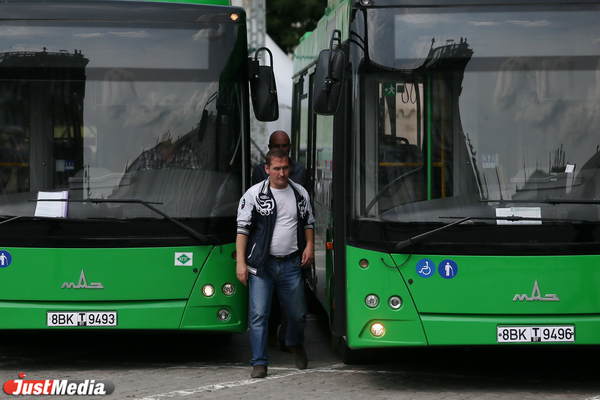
[
  {"x": 336, "y": 35},
  {"x": 329, "y": 80}
]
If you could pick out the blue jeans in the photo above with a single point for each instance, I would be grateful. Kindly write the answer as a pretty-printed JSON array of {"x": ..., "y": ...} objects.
[{"x": 286, "y": 278}]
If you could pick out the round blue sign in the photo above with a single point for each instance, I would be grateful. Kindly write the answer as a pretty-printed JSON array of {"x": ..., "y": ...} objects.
[
  {"x": 5, "y": 258},
  {"x": 448, "y": 269},
  {"x": 425, "y": 268}
]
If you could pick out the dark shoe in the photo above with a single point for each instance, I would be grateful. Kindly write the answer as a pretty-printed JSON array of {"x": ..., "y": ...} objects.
[
  {"x": 259, "y": 371},
  {"x": 299, "y": 356}
]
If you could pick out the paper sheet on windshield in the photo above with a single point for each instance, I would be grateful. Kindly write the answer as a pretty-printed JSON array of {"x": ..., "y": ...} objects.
[
  {"x": 525, "y": 212},
  {"x": 55, "y": 209}
]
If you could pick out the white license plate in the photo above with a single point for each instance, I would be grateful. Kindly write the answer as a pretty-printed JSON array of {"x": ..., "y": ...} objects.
[
  {"x": 535, "y": 334},
  {"x": 81, "y": 318}
]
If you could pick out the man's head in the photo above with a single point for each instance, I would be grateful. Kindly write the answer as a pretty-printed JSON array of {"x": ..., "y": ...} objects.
[
  {"x": 278, "y": 168},
  {"x": 280, "y": 140}
]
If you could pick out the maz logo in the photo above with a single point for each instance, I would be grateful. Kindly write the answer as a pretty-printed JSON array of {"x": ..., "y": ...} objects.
[
  {"x": 535, "y": 295},
  {"x": 82, "y": 284}
]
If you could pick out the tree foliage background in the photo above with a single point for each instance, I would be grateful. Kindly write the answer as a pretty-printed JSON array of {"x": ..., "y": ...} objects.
[{"x": 289, "y": 20}]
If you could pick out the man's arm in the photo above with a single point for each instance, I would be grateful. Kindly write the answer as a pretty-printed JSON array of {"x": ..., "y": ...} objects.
[
  {"x": 308, "y": 255},
  {"x": 241, "y": 269}
]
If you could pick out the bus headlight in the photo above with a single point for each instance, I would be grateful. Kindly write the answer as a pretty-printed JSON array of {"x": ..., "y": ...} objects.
[
  {"x": 228, "y": 289},
  {"x": 395, "y": 302},
  {"x": 377, "y": 329},
  {"x": 372, "y": 301},
  {"x": 223, "y": 315},
  {"x": 208, "y": 290}
]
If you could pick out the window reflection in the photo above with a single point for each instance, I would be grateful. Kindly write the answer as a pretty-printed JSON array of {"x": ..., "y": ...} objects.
[
  {"x": 136, "y": 114},
  {"x": 474, "y": 121}
]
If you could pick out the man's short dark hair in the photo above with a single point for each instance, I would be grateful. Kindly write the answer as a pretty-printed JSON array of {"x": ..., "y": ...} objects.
[{"x": 276, "y": 153}]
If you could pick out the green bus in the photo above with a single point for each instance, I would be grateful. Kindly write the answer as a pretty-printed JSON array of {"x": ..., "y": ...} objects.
[
  {"x": 124, "y": 147},
  {"x": 454, "y": 151}
]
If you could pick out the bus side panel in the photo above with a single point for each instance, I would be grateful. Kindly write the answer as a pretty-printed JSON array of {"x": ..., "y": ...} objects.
[
  {"x": 130, "y": 315},
  {"x": 465, "y": 299},
  {"x": 201, "y": 311},
  {"x": 481, "y": 330},
  {"x": 507, "y": 285},
  {"x": 148, "y": 288},
  {"x": 381, "y": 278},
  {"x": 100, "y": 274}
]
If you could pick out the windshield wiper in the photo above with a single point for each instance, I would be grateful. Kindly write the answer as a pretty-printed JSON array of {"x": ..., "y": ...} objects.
[
  {"x": 513, "y": 218},
  {"x": 419, "y": 238},
  {"x": 545, "y": 201},
  {"x": 203, "y": 239},
  {"x": 10, "y": 218},
  {"x": 561, "y": 201}
]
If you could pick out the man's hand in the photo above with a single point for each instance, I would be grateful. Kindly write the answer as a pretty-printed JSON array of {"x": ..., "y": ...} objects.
[
  {"x": 308, "y": 255},
  {"x": 241, "y": 270}
]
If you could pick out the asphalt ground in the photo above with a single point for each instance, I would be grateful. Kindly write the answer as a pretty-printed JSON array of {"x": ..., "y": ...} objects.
[{"x": 164, "y": 365}]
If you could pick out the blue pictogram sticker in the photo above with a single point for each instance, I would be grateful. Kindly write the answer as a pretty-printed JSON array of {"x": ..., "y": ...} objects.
[
  {"x": 425, "y": 268},
  {"x": 5, "y": 258},
  {"x": 448, "y": 269}
]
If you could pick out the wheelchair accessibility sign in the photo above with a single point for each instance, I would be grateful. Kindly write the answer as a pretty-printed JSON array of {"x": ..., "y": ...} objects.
[{"x": 425, "y": 268}]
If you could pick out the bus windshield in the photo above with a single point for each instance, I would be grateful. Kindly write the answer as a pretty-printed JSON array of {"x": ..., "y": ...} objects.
[
  {"x": 120, "y": 110},
  {"x": 459, "y": 122}
]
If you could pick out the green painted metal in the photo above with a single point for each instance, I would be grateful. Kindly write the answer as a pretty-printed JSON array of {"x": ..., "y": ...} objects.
[
  {"x": 126, "y": 274},
  {"x": 488, "y": 285},
  {"x": 200, "y": 312},
  {"x": 144, "y": 285},
  {"x": 381, "y": 278},
  {"x": 485, "y": 293}
]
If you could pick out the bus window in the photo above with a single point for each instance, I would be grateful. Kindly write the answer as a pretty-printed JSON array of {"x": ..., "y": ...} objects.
[
  {"x": 400, "y": 158},
  {"x": 303, "y": 134}
]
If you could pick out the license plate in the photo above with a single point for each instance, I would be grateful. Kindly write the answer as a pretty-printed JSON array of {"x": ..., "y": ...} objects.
[
  {"x": 535, "y": 334},
  {"x": 81, "y": 318}
]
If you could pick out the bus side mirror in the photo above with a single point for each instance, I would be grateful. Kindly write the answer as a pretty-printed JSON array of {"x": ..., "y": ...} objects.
[
  {"x": 263, "y": 89},
  {"x": 329, "y": 78}
]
